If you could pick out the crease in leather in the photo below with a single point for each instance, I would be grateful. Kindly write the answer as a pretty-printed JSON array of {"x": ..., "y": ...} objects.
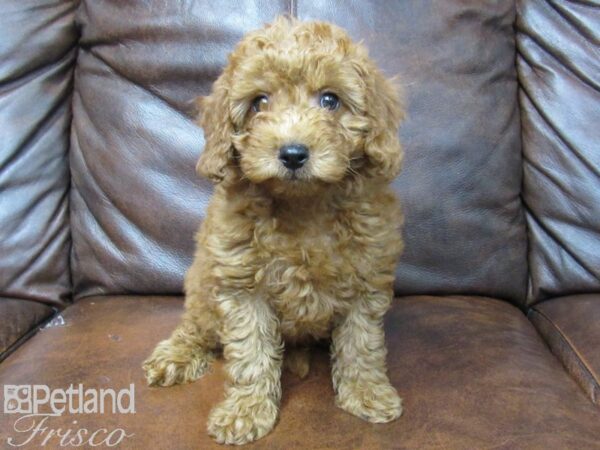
[
  {"x": 29, "y": 334},
  {"x": 524, "y": 207},
  {"x": 90, "y": 173},
  {"x": 561, "y": 244},
  {"x": 51, "y": 116},
  {"x": 523, "y": 204},
  {"x": 571, "y": 350},
  {"x": 53, "y": 80},
  {"x": 546, "y": 228},
  {"x": 570, "y": 18},
  {"x": 118, "y": 214},
  {"x": 91, "y": 246},
  {"x": 587, "y": 36},
  {"x": 131, "y": 223},
  {"x": 120, "y": 74},
  {"x": 60, "y": 106},
  {"x": 10, "y": 85},
  {"x": 562, "y": 62},
  {"x": 554, "y": 127},
  {"x": 49, "y": 239},
  {"x": 556, "y": 43},
  {"x": 60, "y": 15},
  {"x": 107, "y": 241}
]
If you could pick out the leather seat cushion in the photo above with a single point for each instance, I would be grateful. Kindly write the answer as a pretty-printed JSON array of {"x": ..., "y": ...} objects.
[
  {"x": 19, "y": 317},
  {"x": 473, "y": 373},
  {"x": 570, "y": 326}
]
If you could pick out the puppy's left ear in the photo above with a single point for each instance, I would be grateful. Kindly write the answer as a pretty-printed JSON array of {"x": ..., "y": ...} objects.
[
  {"x": 385, "y": 112},
  {"x": 216, "y": 161}
]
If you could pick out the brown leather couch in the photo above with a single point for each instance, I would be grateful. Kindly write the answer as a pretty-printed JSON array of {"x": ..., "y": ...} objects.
[{"x": 494, "y": 340}]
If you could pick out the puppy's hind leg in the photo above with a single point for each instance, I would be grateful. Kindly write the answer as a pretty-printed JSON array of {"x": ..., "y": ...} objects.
[
  {"x": 297, "y": 360},
  {"x": 187, "y": 354}
]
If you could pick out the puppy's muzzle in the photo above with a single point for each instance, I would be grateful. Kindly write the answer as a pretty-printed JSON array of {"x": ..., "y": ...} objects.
[{"x": 293, "y": 156}]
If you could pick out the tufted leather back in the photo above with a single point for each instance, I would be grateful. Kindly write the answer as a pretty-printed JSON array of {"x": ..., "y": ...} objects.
[{"x": 136, "y": 200}]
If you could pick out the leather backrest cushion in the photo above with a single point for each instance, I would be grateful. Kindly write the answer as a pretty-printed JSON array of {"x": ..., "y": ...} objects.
[
  {"x": 136, "y": 200},
  {"x": 460, "y": 185},
  {"x": 559, "y": 73},
  {"x": 37, "y": 56}
]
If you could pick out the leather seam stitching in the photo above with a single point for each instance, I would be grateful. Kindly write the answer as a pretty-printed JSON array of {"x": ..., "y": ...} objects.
[{"x": 580, "y": 361}]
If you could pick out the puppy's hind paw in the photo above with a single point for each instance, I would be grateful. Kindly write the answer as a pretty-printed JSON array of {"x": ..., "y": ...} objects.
[
  {"x": 171, "y": 364},
  {"x": 297, "y": 361}
]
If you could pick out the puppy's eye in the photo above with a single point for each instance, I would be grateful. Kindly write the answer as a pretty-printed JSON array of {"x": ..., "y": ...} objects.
[
  {"x": 330, "y": 101},
  {"x": 260, "y": 103}
]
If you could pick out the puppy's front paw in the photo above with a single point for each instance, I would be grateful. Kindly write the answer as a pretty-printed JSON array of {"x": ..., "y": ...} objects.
[
  {"x": 242, "y": 420},
  {"x": 172, "y": 363},
  {"x": 377, "y": 403}
]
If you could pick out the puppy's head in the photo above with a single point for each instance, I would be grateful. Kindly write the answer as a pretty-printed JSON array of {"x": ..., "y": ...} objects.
[{"x": 298, "y": 108}]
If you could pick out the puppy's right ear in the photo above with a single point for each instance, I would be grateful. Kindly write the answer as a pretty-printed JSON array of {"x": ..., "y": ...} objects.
[{"x": 216, "y": 160}]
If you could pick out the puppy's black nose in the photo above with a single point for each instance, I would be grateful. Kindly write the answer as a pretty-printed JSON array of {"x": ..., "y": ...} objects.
[{"x": 293, "y": 156}]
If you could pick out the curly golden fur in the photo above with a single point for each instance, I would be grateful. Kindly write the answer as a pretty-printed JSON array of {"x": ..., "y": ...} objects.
[{"x": 286, "y": 257}]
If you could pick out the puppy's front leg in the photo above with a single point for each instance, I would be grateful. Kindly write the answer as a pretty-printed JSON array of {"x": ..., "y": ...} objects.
[
  {"x": 252, "y": 349},
  {"x": 359, "y": 369}
]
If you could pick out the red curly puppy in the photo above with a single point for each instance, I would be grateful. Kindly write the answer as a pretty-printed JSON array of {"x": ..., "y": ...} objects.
[{"x": 301, "y": 237}]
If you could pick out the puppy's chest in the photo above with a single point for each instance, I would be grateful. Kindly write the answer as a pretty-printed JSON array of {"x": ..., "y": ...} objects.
[{"x": 308, "y": 274}]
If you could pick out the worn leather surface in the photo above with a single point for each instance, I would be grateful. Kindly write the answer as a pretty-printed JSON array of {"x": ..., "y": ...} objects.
[
  {"x": 37, "y": 53},
  {"x": 570, "y": 325},
  {"x": 559, "y": 74},
  {"x": 136, "y": 200},
  {"x": 473, "y": 373},
  {"x": 18, "y": 318}
]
